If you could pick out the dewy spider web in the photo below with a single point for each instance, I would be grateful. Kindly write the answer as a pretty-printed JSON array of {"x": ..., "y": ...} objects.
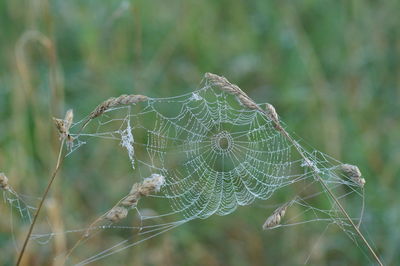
[{"x": 215, "y": 153}]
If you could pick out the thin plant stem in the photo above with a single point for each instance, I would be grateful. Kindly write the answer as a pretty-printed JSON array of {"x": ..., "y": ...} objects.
[
  {"x": 53, "y": 176},
  {"x": 330, "y": 193}
]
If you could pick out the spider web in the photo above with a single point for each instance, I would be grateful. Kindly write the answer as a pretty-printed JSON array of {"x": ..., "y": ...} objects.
[{"x": 215, "y": 155}]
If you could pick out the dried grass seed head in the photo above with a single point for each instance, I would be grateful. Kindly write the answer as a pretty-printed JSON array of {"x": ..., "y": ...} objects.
[
  {"x": 152, "y": 184},
  {"x": 115, "y": 101},
  {"x": 146, "y": 187},
  {"x": 354, "y": 173},
  {"x": 116, "y": 214},
  {"x": 69, "y": 117},
  {"x": 223, "y": 84},
  {"x": 133, "y": 196},
  {"x": 60, "y": 125},
  {"x": 135, "y": 188},
  {"x": 271, "y": 112},
  {"x": 275, "y": 217},
  {"x": 131, "y": 200},
  {"x": 63, "y": 125},
  {"x": 247, "y": 102},
  {"x": 3, "y": 181}
]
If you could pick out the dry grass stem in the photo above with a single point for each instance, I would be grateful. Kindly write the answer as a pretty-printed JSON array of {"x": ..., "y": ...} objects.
[
  {"x": 43, "y": 198},
  {"x": 276, "y": 217},
  {"x": 352, "y": 172},
  {"x": 4, "y": 182},
  {"x": 54, "y": 210}
]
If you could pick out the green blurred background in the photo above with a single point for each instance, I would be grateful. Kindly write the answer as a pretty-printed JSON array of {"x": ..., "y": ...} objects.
[{"x": 331, "y": 69}]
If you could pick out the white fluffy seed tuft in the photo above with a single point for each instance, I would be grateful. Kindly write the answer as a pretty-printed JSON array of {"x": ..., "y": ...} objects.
[
  {"x": 154, "y": 182},
  {"x": 151, "y": 184}
]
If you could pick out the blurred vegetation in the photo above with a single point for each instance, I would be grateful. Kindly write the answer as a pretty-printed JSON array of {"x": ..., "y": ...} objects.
[{"x": 331, "y": 68}]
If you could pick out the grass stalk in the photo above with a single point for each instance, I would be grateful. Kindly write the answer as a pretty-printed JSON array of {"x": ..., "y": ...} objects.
[{"x": 52, "y": 178}]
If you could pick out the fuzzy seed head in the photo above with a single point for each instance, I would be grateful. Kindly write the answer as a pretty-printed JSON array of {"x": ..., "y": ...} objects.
[
  {"x": 360, "y": 181},
  {"x": 116, "y": 214},
  {"x": 63, "y": 126},
  {"x": 154, "y": 182},
  {"x": 247, "y": 102},
  {"x": 135, "y": 188},
  {"x": 60, "y": 125},
  {"x": 275, "y": 217},
  {"x": 3, "y": 181},
  {"x": 270, "y": 109},
  {"x": 123, "y": 99},
  {"x": 223, "y": 84},
  {"x": 69, "y": 117},
  {"x": 131, "y": 200},
  {"x": 146, "y": 187},
  {"x": 151, "y": 184},
  {"x": 352, "y": 172}
]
